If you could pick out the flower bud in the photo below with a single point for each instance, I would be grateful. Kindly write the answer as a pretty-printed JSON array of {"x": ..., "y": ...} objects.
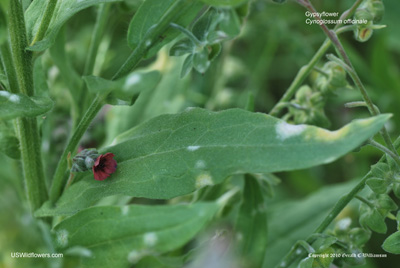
[
  {"x": 363, "y": 33},
  {"x": 363, "y": 14},
  {"x": 334, "y": 78},
  {"x": 84, "y": 160},
  {"x": 378, "y": 9}
]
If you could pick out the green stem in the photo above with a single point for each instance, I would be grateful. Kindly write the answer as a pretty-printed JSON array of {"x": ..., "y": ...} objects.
[
  {"x": 357, "y": 81},
  {"x": 58, "y": 180},
  {"x": 9, "y": 69},
  {"x": 98, "y": 32},
  {"x": 300, "y": 77},
  {"x": 306, "y": 70},
  {"x": 385, "y": 150},
  {"x": 27, "y": 129},
  {"x": 353, "y": 73},
  {"x": 188, "y": 34},
  {"x": 365, "y": 201},
  {"x": 22, "y": 58},
  {"x": 44, "y": 24}
]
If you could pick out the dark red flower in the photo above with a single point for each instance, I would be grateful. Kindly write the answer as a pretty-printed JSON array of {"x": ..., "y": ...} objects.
[{"x": 104, "y": 166}]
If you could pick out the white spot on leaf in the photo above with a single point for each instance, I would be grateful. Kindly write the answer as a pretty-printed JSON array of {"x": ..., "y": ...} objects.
[
  {"x": 5, "y": 93},
  {"x": 132, "y": 80},
  {"x": 62, "y": 238},
  {"x": 150, "y": 239},
  {"x": 125, "y": 210},
  {"x": 193, "y": 148},
  {"x": 14, "y": 98},
  {"x": 148, "y": 43},
  {"x": 134, "y": 256},
  {"x": 344, "y": 224},
  {"x": 200, "y": 164},
  {"x": 203, "y": 180},
  {"x": 285, "y": 130}
]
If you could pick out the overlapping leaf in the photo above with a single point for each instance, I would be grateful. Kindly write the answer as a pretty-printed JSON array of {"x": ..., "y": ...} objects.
[
  {"x": 173, "y": 155},
  {"x": 150, "y": 25},
  {"x": 64, "y": 10},
  {"x": 126, "y": 90},
  {"x": 19, "y": 105},
  {"x": 299, "y": 220},
  {"x": 121, "y": 236}
]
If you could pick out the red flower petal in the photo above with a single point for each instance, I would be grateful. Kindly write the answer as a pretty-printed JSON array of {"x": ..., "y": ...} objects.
[
  {"x": 100, "y": 175},
  {"x": 104, "y": 166}
]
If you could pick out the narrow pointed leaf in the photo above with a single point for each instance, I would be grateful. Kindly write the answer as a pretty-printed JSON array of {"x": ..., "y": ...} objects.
[
  {"x": 251, "y": 225},
  {"x": 150, "y": 25},
  {"x": 63, "y": 11},
  {"x": 173, "y": 155}
]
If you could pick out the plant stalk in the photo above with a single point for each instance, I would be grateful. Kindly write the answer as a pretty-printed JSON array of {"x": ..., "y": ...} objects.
[
  {"x": 44, "y": 24},
  {"x": 306, "y": 70},
  {"x": 27, "y": 130},
  {"x": 58, "y": 180}
]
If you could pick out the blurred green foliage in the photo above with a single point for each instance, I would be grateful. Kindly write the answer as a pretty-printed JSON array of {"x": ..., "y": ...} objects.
[{"x": 273, "y": 45}]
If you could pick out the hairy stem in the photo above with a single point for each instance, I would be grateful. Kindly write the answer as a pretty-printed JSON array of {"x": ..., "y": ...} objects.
[
  {"x": 385, "y": 150},
  {"x": 9, "y": 69},
  {"x": 44, "y": 24},
  {"x": 306, "y": 70},
  {"x": 27, "y": 129}
]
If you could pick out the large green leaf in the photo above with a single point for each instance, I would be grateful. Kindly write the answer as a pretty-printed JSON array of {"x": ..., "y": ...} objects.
[
  {"x": 19, "y": 105},
  {"x": 121, "y": 236},
  {"x": 64, "y": 10},
  {"x": 150, "y": 25},
  {"x": 173, "y": 155},
  {"x": 251, "y": 225},
  {"x": 295, "y": 220}
]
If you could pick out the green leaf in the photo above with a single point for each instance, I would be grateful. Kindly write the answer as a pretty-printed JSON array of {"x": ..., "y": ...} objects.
[
  {"x": 19, "y": 105},
  {"x": 173, "y": 155},
  {"x": 121, "y": 236},
  {"x": 182, "y": 47},
  {"x": 187, "y": 65},
  {"x": 359, "y": 236},
  {"x": 306, "y": 263},
  {"x": 150, "y": 25},
  {"x": 63, "y": 11},
  {"x": 200, "y": 61},
  {"x": 126, "y": 90},
  {"x": 224, "y": 2},
  {"x": 378, "y": 186},
  {"x": 295, "y": 220},
  {"x": 373, "y": 220},
  {"x": 392, "y": 243},
  {"x": 251, "y": 225}
]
